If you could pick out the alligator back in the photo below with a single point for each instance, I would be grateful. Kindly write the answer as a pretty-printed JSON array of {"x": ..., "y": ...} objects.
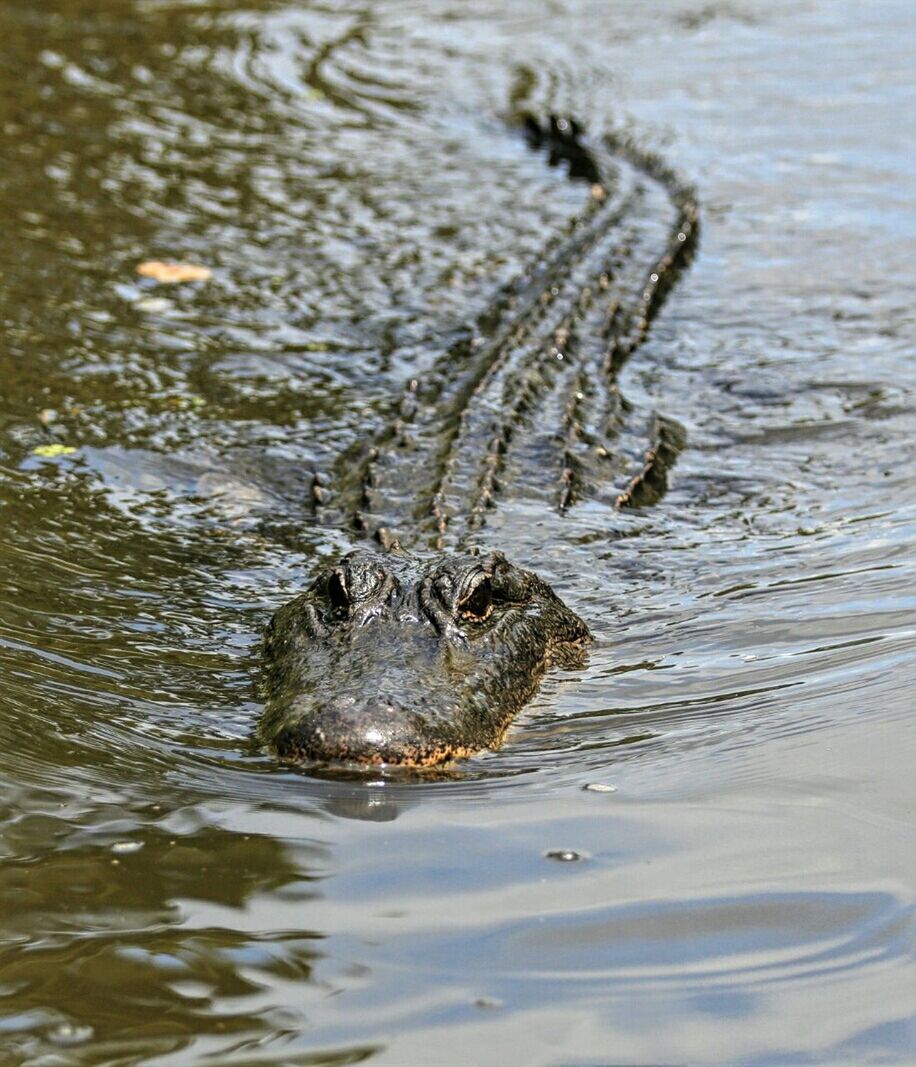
[{"x": 528, "y": 398}]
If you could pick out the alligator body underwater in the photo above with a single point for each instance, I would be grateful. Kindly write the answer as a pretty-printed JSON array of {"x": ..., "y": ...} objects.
[{"x": 420, "y": 647}]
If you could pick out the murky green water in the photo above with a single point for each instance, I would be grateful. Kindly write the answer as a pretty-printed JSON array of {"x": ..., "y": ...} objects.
[{"x": 171, "y": 895}]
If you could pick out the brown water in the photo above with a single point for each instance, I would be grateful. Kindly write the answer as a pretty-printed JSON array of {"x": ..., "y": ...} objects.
[{"x": 169, "y": 894}]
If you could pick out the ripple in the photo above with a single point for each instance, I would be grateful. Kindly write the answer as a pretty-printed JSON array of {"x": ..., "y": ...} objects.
[{"x": 344, "y": 172}]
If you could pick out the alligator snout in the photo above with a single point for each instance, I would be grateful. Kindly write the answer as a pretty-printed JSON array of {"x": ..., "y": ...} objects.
[
  {"x": 372, "y": 732},
  {"x": 374, "y": 688},
  {"x": 392, "y": 659}
]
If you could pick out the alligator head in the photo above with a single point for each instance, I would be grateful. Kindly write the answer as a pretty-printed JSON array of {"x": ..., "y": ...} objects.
[{"x": 389, "y": 658}]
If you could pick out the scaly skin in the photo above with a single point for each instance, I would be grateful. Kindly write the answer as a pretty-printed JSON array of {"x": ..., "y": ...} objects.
[{"x": 415, "y": 660}]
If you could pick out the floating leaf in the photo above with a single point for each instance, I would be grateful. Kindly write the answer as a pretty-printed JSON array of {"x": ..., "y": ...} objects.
[
  {"x": 171, "y": 273},
  {"x": 53, "y": 451}
]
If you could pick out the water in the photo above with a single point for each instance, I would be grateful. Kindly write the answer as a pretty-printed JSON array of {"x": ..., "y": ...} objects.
[{"x": 171, "y": 895}]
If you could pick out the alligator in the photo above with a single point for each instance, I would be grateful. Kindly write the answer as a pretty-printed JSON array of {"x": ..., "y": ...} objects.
[{"x": 421, "y": 647}]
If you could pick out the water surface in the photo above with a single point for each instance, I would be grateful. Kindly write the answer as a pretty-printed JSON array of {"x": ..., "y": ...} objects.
[{"x": 169, "y": 893}]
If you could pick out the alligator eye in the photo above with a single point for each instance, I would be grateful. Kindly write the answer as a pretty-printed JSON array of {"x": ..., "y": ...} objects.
[
  {"x": 479, "y": 602},
  {"x": 337, "y": 593}
]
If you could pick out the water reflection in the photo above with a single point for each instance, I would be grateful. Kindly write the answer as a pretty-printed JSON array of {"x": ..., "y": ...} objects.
[{"x": 98, "y": 905}]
